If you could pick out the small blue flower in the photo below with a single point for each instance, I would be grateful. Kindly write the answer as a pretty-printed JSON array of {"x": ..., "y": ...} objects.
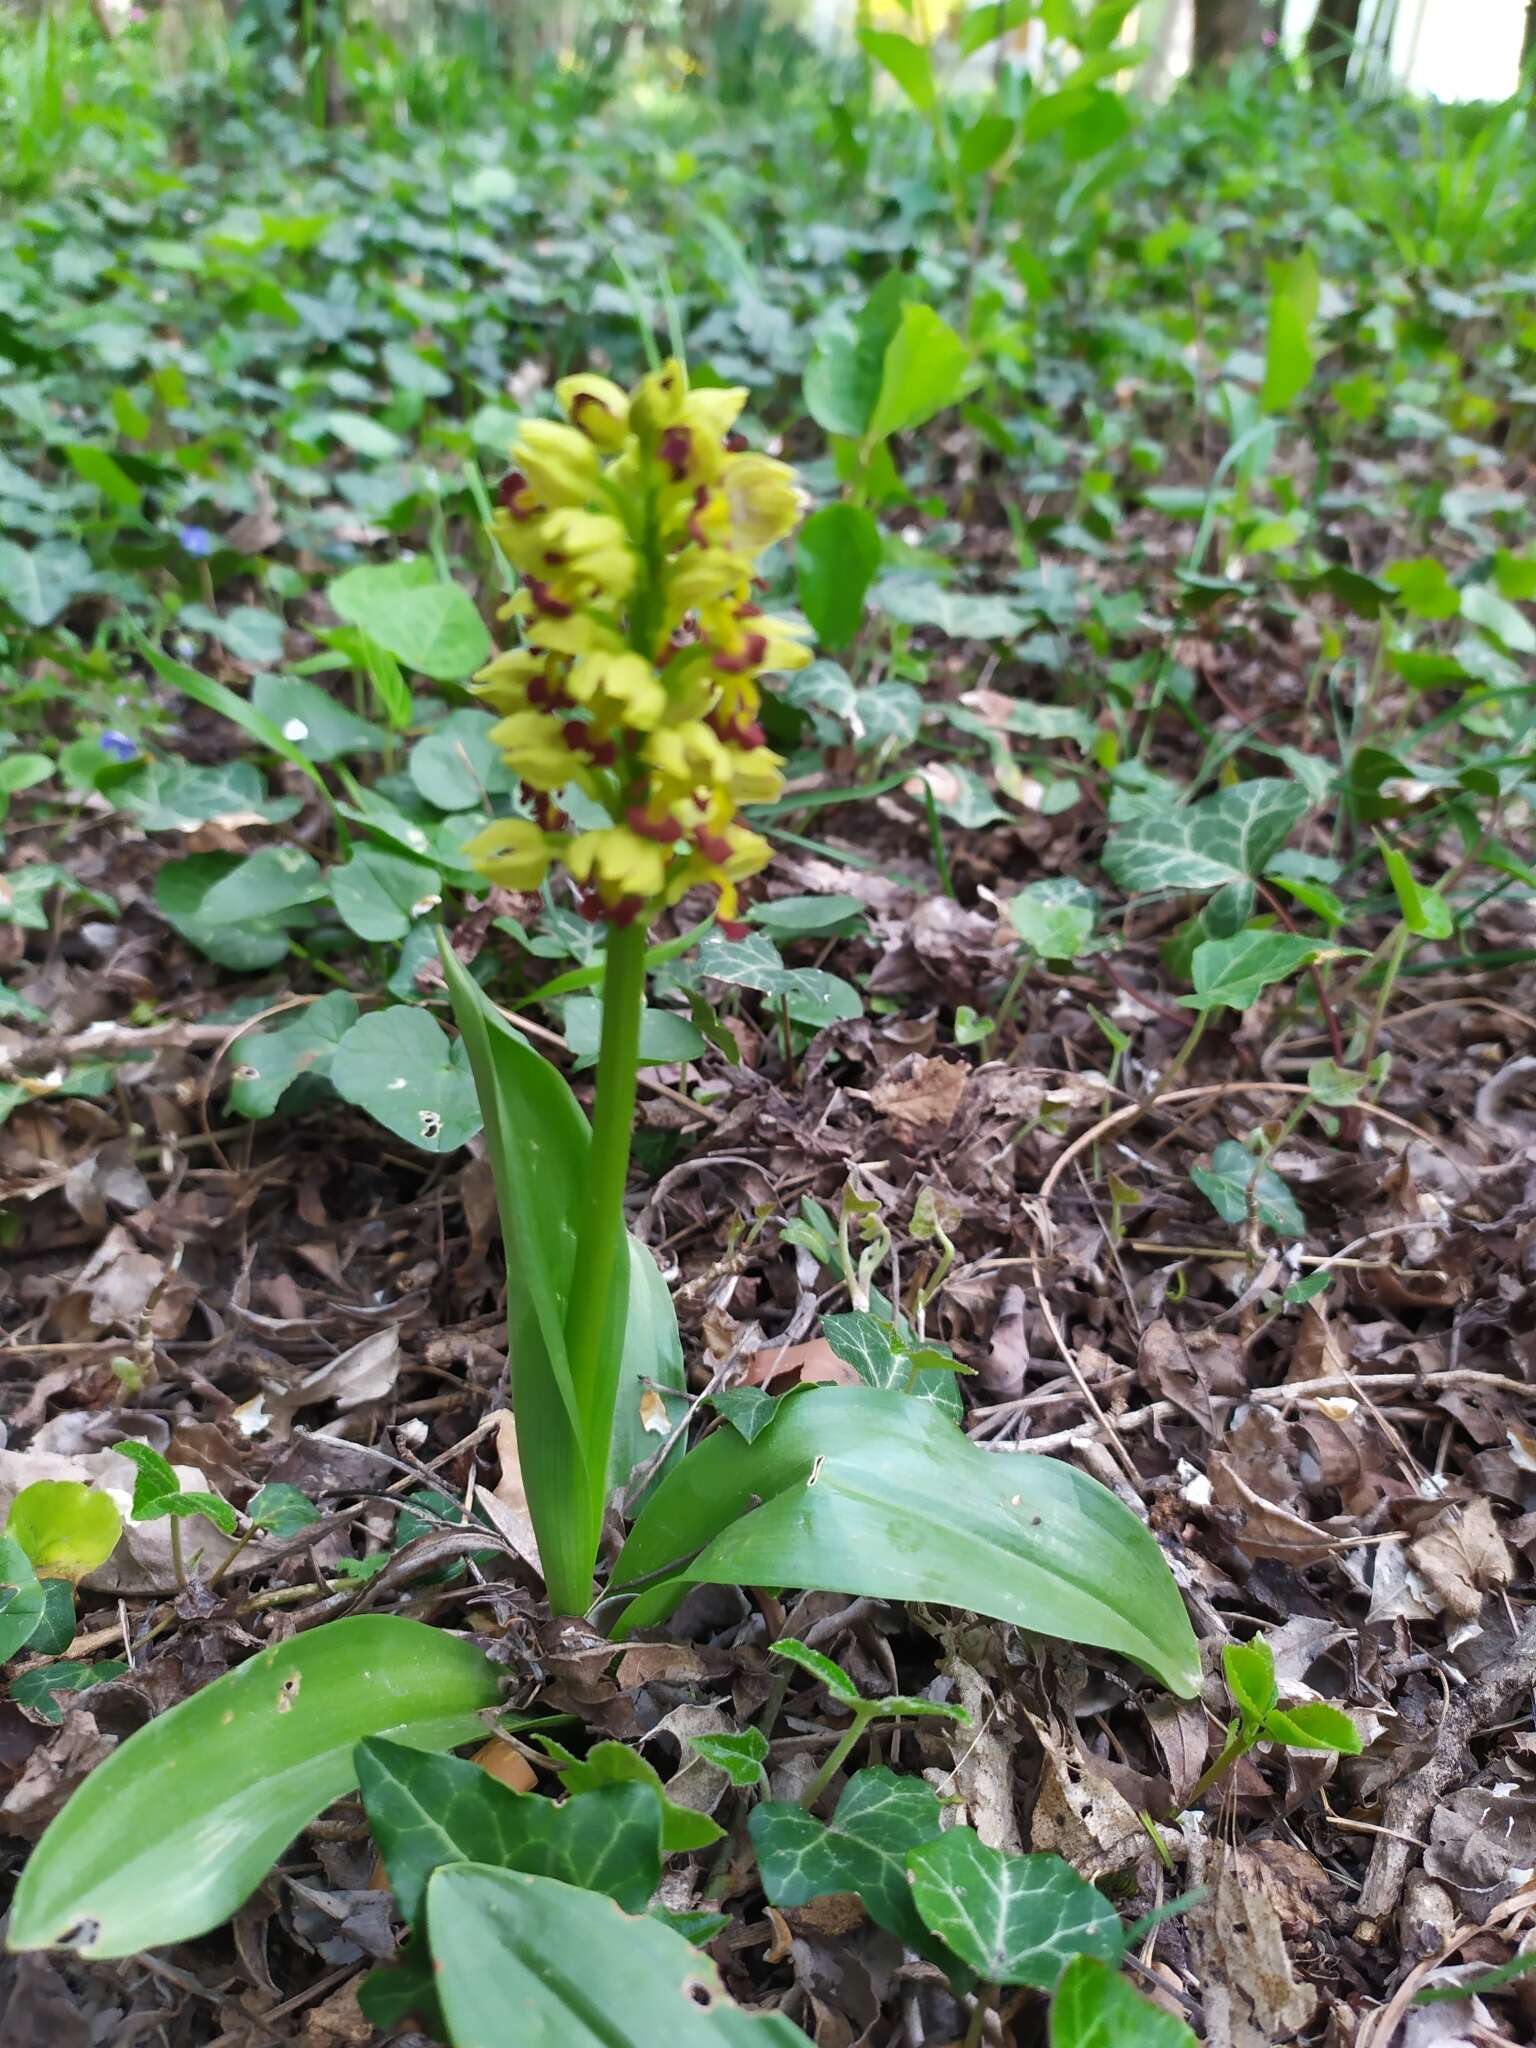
[
  {"x": 119, "y": 746},
  {"x": 197, "y": 540}
]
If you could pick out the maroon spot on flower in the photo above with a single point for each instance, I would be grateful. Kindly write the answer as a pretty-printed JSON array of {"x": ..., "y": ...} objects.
[
  {"x": 539, "y": 691},
  {"x": 752, "y": 653},
  {"x": 586, "y": 398},
  {"x": 676, "y": 450},
  {"x": 545, "y": 600},
  {"x": 736, "y": 442},
  {"x": 512, "y": 492},
  {"x": 716, "y": 851},
  {"x": 749, "y": 610},
  {"x": 626, "y": 910},
  {"x": 733, "y": 928},
  {"x": 590, "y": 905},
  {"x": 575, "y": 733},
  {"x": 665, "y": 831}
]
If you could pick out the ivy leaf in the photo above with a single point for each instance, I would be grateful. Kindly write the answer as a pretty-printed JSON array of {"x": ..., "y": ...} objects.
[
  {"x": 1013, "y": 1919},
  {"x": 1229, "y": 837},
  {"x": 39, "y": 1688},
  {"x": 748, "y": 1410},
  {"x": 880, "y": 1819},
  {"x": 830, "y": 1674},
  {"x": 281, "y": 1510},
  {"x": 1055, "y": 917},
  {"x": 21, "y": 1598},
  {"x": 881, "y": 1359},
  {"x": 741, "y": 1756},
  {"x": 1094, "y": 2007},
  {"x": 1234, "y": 1176},
  {"x": 613, "y": 1763},
  {"x": 1232, "y": 973}
]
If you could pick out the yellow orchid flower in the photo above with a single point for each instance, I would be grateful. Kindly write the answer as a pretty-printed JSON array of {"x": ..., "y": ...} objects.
[
  {"x": 512, "y": 853},
  {"x": 597, "y": 406},
  {"x": 536, "y": 747},
  {"x": 619, "y": 862},
  {"x": 619, "y": 689}
]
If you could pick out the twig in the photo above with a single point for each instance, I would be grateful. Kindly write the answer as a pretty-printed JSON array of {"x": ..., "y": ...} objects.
[{"x": 1414, "y": 1798}]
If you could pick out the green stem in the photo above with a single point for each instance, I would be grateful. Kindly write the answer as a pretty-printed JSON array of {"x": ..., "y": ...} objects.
[
  {"x": 862, "y": 1716},
  {"x": 600, "y": 1243},
  {"x": 1231, "y": 1752},
  {"x": 1397, "y": 947},
  {"x": 178, "y": 1561},
  {"x": 975, "y": 2033}
]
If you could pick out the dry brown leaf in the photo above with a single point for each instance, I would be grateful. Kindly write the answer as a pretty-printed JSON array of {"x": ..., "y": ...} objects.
[
  {"x": 366, "y": 1371},
  {"x": 1462, "y": 1557},
  {"x": 1253, "y": 1997},
  {"x": 920, "y": 1095},
  {"x": 1082, "y": 1817},
  {"x": 506, "y": 1505}
]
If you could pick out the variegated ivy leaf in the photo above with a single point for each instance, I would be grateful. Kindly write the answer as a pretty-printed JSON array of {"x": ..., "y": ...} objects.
[
  {"x": 1014, "y": 1919},
  {"x": 1226, "y": 838}
]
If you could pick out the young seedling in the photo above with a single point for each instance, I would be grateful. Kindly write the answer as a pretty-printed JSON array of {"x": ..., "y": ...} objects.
[
  {"x": 157, "y": 1491},
  {"x": 861, "y": 1710},
  {"x": 1250, "y": 1674}
]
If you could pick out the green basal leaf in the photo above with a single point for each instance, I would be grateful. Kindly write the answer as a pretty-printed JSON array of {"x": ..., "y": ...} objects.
[
  {"x": 429, "y": 625},
  {"x": 401, "y": 1066},
  {"x": 524, "y": 1959},
  {"x": 872, "y": 1493},
  {"x": 1012, "y": 1919},
  {"x": 182, "y": 1821},
  {"x": 838, "y": 553}
]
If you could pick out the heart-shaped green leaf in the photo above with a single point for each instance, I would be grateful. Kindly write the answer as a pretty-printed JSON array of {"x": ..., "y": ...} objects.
[
  {"x": 428, "y": 1810},
  {"x": 21, "y": 1599},
  {"x": 67, "y": 1529},
  {"x": 1229, "y": 837},
  {"x": 1013, "y": 1919},
  {"x": 1234, "y": 1182},
  {"x": 401, "y": 1066},
  {"x": 1232, "y": 973},
  {"x": 880, "y": 1819}
]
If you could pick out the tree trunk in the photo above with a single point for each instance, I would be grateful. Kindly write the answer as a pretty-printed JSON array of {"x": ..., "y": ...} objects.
[
  {"x": 1331, "y": 39},
  {"x": 1224, "y": 29}
]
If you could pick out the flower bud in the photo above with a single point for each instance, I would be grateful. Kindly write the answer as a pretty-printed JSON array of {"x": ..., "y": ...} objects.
[{"x": 597, "y": 406}]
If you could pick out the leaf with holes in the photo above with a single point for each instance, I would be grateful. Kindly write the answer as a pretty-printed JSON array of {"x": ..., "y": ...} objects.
[
  {"x": 1013, "y": 1919},
  {"x": 402, "y": 1067},
  {"x": 265, "y": 1064},
  {"x": 521, "y": 1958},
  {"x": 1226, "y": 838}
]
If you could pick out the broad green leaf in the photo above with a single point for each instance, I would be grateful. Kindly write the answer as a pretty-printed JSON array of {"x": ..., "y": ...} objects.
[
  {"x": 525, "y": 1959},
  {"x": 21, "y": 1599},
  {"x": 1491, "y": 613},
  {"x": 401, "y": 1066},
  {"x": 154, "y": 1477},
  {"x": 429, "y": 625},
  {"x": 56, "y": 1631},
  {"x": 1234, "y": 1181},
  {"x": 837, "y": 556},
  {"x": 281, "y": 1509},
  {"x": 741, "y": 1756},
  {"x": 1288, "y": 357},
  {"x": 1250, "y": 1675},
  {"x": 1094, "y": 2007},
  {"x": 800, "y": 917},
  {"x": 311, "y": 720},
  {"x": 175, "y": 796},
  {"x": 906, "y": 61},
  {"x": 251, "y": 635},
  {"x": 216, "y": 696},
  {"x": 666, "y": 1038},
  {"x": 882, "y": 1359},
  {"x": 1313, "y": 1724},
  {"x": 1055, "y": 917},
  {"x": 1013, "y": 1919},
  {"x": 155, "y": 1848},
  {"x": 1335, "y": 1087},
  {"x": 880, "y": 1819},
  {"x": 924, "y": 370},
  {"x": 615, "y": 1763},
  {"x": 1232, "y": 973},
  {"x": 652, "y": 1391},
  {"x": 872, "y": 1493},
  {"x": 812, "y": 996},
  {"x": 265, "y": 1064},
  {"x": 264, "y": 886},
  {"x": 364, "y": 436},
  {"x": 1425, "y": 589},
  {"x": 1229, "y": 837},
  {"x": 427, "y": 1810},
  {"x": 47, "y": 1689},
  {"x": 39, "y": 584},
  {"x": 455, "y": 765},
  {"x": 67, "y": 1529},
  {"x": 538, "y": 1141},
  {"x": 380, "y": 895}
]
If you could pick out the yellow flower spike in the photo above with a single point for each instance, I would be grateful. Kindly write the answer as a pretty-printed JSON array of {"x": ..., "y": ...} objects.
[
  {"x": 619, "y": 863},
  {"x": 764, "y": 499},
  {"x": 702, "y": 576},
  {"x": 592, "y": 547},
  {"x": 714, "y": 412},
  {"x": 689, "y": 757},
  {"x": 621, "y": 689},
  {"x": 597, "y": 406},
  {"x": 581, "y": 633},
  {"x": 534, "y": 747},
  {"x": 658, "y": 400},
  {"x": 512, "y": 853},
  {"x": 503, "y": 683},
  {"x": 757, "y": 775},
  {"x": 560, "y": 464}
]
